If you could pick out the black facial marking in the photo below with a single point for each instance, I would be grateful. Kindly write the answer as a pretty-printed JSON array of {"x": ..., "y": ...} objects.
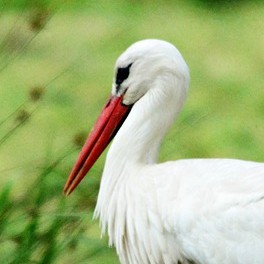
[{"x": 122, "y": 74}]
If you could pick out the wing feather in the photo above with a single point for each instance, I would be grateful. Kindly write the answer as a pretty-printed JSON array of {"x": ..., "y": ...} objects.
[{"x": 215, "y": 208}]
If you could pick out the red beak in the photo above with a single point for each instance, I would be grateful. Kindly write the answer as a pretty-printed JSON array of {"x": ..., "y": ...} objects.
[{"x": 110, "y": 120}]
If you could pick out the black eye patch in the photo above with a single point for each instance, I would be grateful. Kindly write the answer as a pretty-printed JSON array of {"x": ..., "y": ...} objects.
[{"x": 122, "y": 74}]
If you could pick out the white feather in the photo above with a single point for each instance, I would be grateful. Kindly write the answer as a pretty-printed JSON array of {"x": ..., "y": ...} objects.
[{"x": 197, "y": 210}]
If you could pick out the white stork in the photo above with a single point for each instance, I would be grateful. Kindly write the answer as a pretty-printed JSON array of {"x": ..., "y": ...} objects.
[{"x": 185, "y": 211}]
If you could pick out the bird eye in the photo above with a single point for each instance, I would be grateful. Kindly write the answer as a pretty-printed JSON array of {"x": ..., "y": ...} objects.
[{"x": 122, "y": 74}]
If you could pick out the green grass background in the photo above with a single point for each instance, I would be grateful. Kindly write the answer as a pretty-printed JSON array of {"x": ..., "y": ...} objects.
[{"x": 67, "y": 49}]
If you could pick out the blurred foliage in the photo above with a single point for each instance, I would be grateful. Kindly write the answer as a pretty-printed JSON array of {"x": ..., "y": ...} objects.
[
  {"x": 90, "y": 4},
  {"x": 27, "y": 4},
  {"x": 56, "y": 65},
  {"x": 36, "y": 227}
]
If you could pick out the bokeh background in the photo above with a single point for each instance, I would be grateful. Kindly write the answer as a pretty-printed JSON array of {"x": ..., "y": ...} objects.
[{"x": 56, "y": 69}]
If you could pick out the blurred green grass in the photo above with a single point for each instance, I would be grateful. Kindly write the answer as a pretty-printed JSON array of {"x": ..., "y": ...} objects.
[{"x": 69, "y": 49}]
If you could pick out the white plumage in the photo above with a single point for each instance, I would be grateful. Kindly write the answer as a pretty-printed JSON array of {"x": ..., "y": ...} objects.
[{"x": 186, "y": 211}]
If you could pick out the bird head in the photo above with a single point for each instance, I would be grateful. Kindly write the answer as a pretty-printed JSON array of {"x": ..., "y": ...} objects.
[
  {"x": 138, "y": 68},
  {"x": 139, "y": 71}
]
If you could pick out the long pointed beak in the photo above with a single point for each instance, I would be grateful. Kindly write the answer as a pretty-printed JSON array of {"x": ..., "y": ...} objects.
[{"x": 110, "y": 120}]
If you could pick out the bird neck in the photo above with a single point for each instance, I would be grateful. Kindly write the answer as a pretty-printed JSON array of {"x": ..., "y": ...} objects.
[
  {"x": 136, "y": 145},
  {"x": 140, "y": 137}
]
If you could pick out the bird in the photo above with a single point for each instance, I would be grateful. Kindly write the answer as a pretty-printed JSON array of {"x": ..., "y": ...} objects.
[{"x": 204, "y": 210}]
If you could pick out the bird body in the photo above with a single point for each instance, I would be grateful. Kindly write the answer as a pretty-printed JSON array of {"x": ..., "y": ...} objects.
[
  {"x": 185, "y": 211},
  {"x": 194, "y": 210}
]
